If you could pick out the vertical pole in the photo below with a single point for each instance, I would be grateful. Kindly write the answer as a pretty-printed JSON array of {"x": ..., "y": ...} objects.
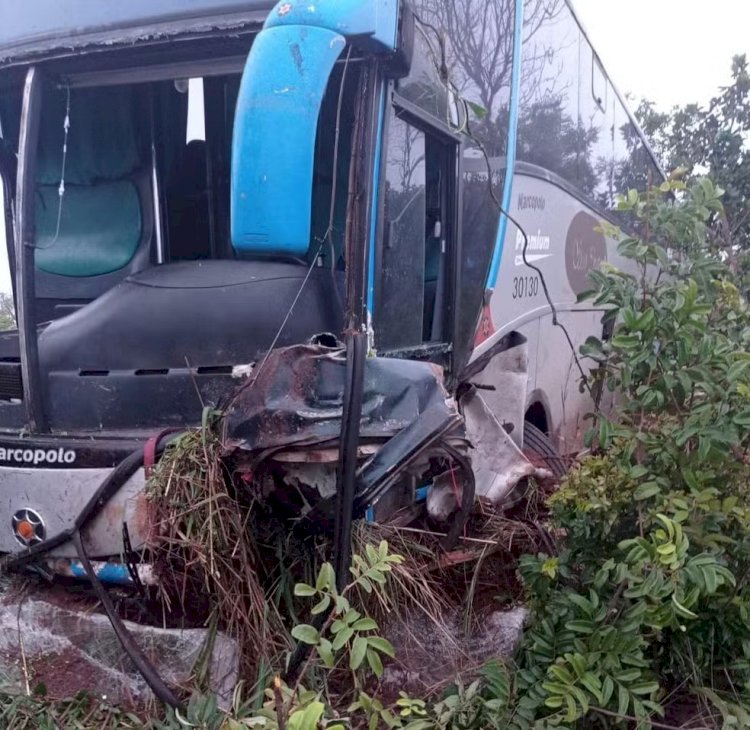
[
  {"x": 357, "y": 228},
  {"x": 356, "y": 354}
]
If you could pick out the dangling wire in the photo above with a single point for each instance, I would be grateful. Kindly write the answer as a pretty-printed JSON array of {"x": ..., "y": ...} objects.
[{"x": 61, "y": 188}]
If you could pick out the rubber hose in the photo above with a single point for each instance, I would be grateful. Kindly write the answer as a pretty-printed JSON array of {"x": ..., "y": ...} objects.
[{"x": 142, "y": 664}]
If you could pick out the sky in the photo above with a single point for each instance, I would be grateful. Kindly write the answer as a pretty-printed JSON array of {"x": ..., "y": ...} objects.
[{"x": 668, "y": 51}]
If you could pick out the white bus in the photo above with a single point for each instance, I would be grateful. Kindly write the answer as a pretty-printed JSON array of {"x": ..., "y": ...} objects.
[{"x": 414, "y": 174}]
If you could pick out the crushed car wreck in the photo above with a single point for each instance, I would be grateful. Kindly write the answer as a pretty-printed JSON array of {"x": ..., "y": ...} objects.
[{"x": 292, "y": 411}]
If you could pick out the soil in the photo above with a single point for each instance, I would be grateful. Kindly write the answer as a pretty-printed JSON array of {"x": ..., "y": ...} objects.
[{"x": 55, "y": 670}]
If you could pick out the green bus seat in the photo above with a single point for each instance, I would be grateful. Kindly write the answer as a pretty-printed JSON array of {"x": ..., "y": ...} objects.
[{"x": 100, "y": 228}]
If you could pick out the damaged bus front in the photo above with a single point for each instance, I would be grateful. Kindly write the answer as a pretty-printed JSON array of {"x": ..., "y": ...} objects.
[{"x": 206, "y": 213}]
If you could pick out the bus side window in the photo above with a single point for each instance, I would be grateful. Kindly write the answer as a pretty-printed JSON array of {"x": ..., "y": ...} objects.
[
  {"x": 7, "y": 306},
  {"x": 599, "y": 84}
]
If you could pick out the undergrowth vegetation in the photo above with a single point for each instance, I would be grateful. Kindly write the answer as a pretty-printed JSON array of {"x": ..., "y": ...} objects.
[{"x": 648, "y": 595}]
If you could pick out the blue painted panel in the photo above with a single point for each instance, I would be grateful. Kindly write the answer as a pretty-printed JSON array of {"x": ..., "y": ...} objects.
[
  {"x": 375, "y": 18},
  {"x": 371, "y": 258},
  {"x": 275, "y": 127},
  {"x": 110, "y": 573},
  {"x": 515, "y": 100}
]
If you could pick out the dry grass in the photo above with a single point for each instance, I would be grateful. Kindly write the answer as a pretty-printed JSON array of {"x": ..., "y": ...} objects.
[
  {"x": 217, "y": 552},
  {"x": 203, "y": 548}
]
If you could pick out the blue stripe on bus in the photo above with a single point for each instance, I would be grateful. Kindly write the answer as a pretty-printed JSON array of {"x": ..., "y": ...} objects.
[
  {"x": 375, "y": 205},
  {"x": 510, "y": 160}
]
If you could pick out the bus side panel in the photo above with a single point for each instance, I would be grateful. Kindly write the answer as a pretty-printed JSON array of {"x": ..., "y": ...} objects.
[
  {"x": 563, "y": 241},
  {"x": 559, "y": 379}
]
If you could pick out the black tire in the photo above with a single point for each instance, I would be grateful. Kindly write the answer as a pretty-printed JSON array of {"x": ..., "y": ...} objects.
[{"x": 538, "y": 442}]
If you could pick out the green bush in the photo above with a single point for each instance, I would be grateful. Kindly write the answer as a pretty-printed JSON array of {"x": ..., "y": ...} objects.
[{"x": 650, "y": 591}]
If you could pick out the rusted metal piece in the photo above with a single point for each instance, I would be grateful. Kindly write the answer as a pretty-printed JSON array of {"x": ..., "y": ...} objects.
[
  {"x": 321, "y": 456},
  {"x": 295, "y": 400}
]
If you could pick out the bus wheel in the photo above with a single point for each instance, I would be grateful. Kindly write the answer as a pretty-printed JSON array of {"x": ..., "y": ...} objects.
[{"x": 538, "y": 446}]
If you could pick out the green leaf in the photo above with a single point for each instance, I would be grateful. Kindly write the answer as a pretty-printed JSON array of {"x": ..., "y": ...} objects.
[
  {"x": 572, "y": 713},
  {"x": 561, "y": 673},
  {"x": 585, "y": 605},
  {"x": 644, "y": 688},
  {"x": 736, "y": 370},
  {"x": 626, "y": 342},
  {"x": 326, "y": 577},
  {"x": 342, "y": 638},
  {"x": 578, "y": 663},
  {"x": 383, "y": 550},
  {"x": 302, "y": 589},
  {"x": 580, "y": 627},
  {"x": 646, "y": 491},
  {"x": 308, "y": 718},
  {"x": 645, "y": 320},
  {"x": 382, "y": 645},
  {"x": 628, "y": 675},
  {"x": 590, "y": 681},
  {"x": 359, "y": 649},
  {"x": 623, "y": 700},
  {"x": 479, "y": 111},
  {"x": 742, "y": 419},
  {"x": 351, "y": 616},
  {"x": 376, "y": 664},
  {"x": 365, "y": 624},
  {"x": 306, "y": 634},
  {"x": 377, "y": 576},
  {"x": 325, "y": 652},
  {"x": 680, "y": 610},
  {"x": 321, "y": 606},
  {"x": 365, "y": 584},
  {"x": 581, "y": 698}
]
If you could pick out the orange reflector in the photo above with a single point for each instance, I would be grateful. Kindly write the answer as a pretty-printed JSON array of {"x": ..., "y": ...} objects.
[{"x": 25, "y": 530}]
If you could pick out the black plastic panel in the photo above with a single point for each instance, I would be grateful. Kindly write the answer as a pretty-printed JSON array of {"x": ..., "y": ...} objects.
[{"x": 139, "y": 356}]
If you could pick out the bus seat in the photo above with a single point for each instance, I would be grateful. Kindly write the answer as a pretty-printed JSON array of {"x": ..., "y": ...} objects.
[
  {"x": 100, "y": 228},
  {"x": 105, "y": 235},
  {"x": 106, "y": 222}
]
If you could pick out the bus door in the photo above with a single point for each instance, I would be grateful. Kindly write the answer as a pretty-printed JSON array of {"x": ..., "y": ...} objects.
[{"x": 416, "y": 257}]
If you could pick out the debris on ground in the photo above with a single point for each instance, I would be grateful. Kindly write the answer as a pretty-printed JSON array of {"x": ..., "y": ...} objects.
[{"x": 429, "y": 657}]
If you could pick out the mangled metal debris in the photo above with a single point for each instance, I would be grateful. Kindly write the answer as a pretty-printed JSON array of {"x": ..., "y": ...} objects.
[{"x": 283, "y": 429}]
